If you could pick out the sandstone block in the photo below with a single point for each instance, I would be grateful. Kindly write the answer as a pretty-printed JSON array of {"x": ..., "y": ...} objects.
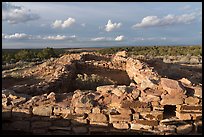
[
  {"x": 97, "y": 117},
  {"x": 42, "y": 110},
  {"x": 119, "y": 118},
  {"x": 189, "y": 108},
  {"x": 136, "y": 126},
  {"x": 198, "y": 91},
  {"x": 98, "y": 124},
  {"x": 105, "y": 89},
  {"x": 153, "y": 115},
  {"x": 183, "y": 116},
  {"x": 124, "y": 111},
  {"x": 121, "y": 125},
  {"x": 82, "y": 110},
  {"x": 61, "y": 111},
  {"x": 96, "y": 110},
  {"x": 191, "y": 101},
  {"x": 185, "y": 81},
  {"x": 136, "y": 116},
  {"x": 171, "y": 86},
  {"x": 196, "y": 116},
  {"x": 172, "y": 99},
  {"x": 147, "y": 122}
]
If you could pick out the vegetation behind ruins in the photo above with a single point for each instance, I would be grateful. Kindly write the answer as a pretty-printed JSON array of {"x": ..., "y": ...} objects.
[{"x": 156, "y": 50}]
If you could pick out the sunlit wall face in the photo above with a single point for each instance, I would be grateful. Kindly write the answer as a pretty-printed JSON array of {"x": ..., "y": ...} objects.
[{"x": 100, "y": 24}]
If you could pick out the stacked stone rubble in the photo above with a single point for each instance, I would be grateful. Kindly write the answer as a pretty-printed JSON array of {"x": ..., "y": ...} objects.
[{"x": 150, "y": 105}]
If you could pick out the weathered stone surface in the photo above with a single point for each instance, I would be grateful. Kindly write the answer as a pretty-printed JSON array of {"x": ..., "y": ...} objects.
[
  {"x": 136, "y": 126},
  {"x": 18, "y": 101},
  {"x": 21, "y": 113},
  {"x": 105, "y": 89},
  {"x": 148, "y": 98},
  {"x": 172, "y": 99},
  {"x": 135, "y": 116},
  {"x": 189, "y": 108},
  {"x": 124, "y": 111},
  {"x": 82, "y": 110},
  {"x": 184, "y": 129},
  {"x": 115, "y": 101},
  {"x": 118, "y": 91},
  {"x": 167, "y": 128},
  {"x": 140, "y": 109},
  {"x": 97, "y": 117},
  {"x": 147, "y": 122},
  {"x": 153, "y": 115},
  {"x": 121, "y": 125},
  {"x": 173, "y": 87},
  {"x": 185, "y": 81},
  {"x": 192, "y": 101},
  {"x": 198, "y": 91},
  {"x": 64, "y": 112},
  {"x": 98, "y": 124},
  {"x": 40, "y": 124},
  {"x": 60, "y": 128},
  {"x": 52, "y": 96},
  {"x": 183, "y": 116},
  {"x": 96, "y": 110},
  {"x": 119, "y": 118},
  {"x": 79, "y": 130},
  {"x": 141, "y": 74},
  {"x": 196, "y": 116},
  {"x": 42, "y": 110}
]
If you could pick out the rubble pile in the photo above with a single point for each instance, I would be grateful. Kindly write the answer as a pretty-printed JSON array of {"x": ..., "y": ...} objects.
[{"x": 150, "y": 104}]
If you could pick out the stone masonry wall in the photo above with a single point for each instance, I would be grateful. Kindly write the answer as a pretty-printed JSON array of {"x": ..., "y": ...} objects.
[{"x": 151, "y": 104}]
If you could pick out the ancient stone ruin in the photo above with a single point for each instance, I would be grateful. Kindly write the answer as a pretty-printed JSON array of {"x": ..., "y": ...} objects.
[{"x": 90, "y": 94}]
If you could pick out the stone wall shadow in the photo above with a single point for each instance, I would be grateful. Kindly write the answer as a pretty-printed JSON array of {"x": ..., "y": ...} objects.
[
  {"x": 176, "y": 71},
  {"x": 19, "y": 123}
]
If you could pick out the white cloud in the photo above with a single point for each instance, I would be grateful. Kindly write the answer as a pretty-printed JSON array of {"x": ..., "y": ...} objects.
[
  {"x": 150, "y": 39},
  {"x": 119, "y": 38},
  {"x": 16, "y": 14},
  {"x": 63, "y": 24},
  {"x": 151, "y": 21},
  {"x": 111, "y": 26},
  {"x": 59, "y": 37},
  {"x": 16, "y": 36},
  {"x": 99, "y": 39}
]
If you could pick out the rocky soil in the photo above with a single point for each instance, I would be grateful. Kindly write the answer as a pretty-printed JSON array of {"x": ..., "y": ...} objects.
[{"x": 88, "y": 93}]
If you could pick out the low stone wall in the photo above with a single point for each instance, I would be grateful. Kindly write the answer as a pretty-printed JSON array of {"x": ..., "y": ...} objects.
[{"x": 151, "y": 104}]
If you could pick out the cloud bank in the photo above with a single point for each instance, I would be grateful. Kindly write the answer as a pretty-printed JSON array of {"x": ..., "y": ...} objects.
[
  {"x": 17, "y": 14},
  {"x": 152, "y": 21},
  {"x": 16, "y": 36}
]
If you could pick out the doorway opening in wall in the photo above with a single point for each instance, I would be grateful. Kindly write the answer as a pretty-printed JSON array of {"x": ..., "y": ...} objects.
[{"x": 169, "y": 111}]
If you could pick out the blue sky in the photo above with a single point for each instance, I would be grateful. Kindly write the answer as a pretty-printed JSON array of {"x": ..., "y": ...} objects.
[{"x": 92, "y": 24}]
